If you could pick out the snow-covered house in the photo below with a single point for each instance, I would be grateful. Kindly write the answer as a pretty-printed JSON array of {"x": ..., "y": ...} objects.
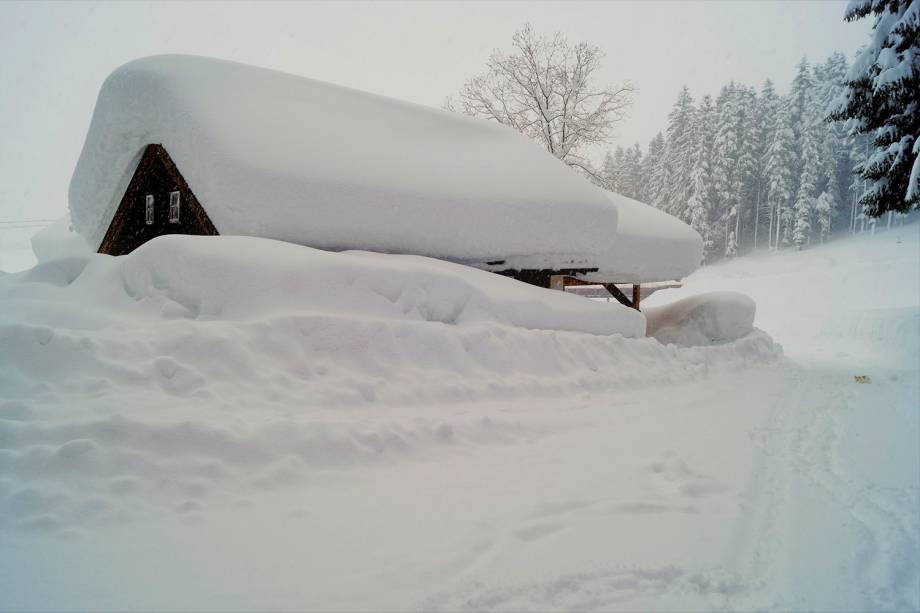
[{"x": 183, "y": 144}]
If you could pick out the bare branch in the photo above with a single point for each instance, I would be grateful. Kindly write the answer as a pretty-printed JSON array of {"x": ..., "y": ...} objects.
[{"x": 545, "y": 89}]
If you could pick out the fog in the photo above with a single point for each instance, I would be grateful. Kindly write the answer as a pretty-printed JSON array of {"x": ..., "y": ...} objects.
[{"x": 56, "y": 55}]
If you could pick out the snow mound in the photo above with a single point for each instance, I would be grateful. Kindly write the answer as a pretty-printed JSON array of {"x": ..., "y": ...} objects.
[
  {"x": 279, "y": 156},
  {"x": 705, "y": 319},
  {"x": 241, "y": 319},
  {"x": 244, "y": 278},
  {"x": 58, "y": 241}
]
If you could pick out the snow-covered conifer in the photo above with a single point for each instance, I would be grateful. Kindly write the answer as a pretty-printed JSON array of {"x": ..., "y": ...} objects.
[
  {"x": 700, "y": 203},
  {"x": 608, "y": 173},
  {"x": 825, "y": 211},
  {"x": 800, "y": 101},
  {"x": 883, "y": 99},
  {"x": 726, "y": 173},
  {"x": 678, "y": 148},
  {"x": 778, "y": 173},
  {"x": 750, "y": 147},
  {"x": 765, "y": 122},
  {"x": 805, "y": 197},
  {"x": 652, "y": 186}
]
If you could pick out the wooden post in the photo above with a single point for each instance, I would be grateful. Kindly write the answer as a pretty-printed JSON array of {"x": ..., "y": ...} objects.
[
  {"x": 637, "y": 293},
  {"x": 616, "y": 293},
  {"x": 557, "y": 282}
]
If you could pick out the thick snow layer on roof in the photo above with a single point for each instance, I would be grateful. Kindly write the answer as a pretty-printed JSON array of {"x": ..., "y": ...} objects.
[
  {"x": 279, "y": 156},
  {"x": 649, "y": 246}
]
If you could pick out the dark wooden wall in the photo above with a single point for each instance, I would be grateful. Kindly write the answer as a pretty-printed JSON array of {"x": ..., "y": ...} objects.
[{"x": 155, "y": 174}]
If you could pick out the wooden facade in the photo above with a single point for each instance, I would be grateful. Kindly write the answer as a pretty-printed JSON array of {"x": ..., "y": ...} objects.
[{"x": 159, "y": 185}]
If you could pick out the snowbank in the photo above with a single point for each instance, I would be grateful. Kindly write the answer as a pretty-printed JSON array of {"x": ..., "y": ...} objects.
[
  {"x": 278, "y": 156},
  {"x": 715, "y": 317},
  {"x": 244, "y": 278},
  {"x": 243, "y": 319}
]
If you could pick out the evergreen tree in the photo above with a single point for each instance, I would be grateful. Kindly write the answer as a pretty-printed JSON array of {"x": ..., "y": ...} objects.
[
  {"x": 834, "y": 159},
  {"x": 765, "y": 122},
  {"x": 883, "y": 99},
  {"x": 749, "y": 152},
  {"x": 629, "y": 176},
  {"x": 805, "y": 197},
  {"x": 778, "y": 174},
  {"x": 678, "y": 146},
  {"x": 858, "y": 154},
  {"x": 800, "y": 101},
  {"x": 653, "y": 186},
  {"x": 825, "y": 211},
  {"x": 726, "y": 173},
  {"x": 608, "y": 172},
  {"x": 700, "y": 204},
  {"x": 752, "y": 164}
]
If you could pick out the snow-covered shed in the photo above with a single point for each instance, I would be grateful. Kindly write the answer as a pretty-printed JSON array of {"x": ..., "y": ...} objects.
[{"x": 185, "y": 144}]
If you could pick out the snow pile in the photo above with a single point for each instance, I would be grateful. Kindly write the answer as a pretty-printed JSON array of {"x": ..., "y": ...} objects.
[
  {"x": 241, "y": 317},
  {"x": 244, "y": 278},
  {"x": 279, "y": 156},
  {"x": 705, "y": 319},
  {"x": 58, "y": 241}
]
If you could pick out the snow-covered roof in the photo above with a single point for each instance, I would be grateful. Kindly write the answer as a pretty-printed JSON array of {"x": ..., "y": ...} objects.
[
  {"x": 279, "y": 156},
  {"x": 650, "y": 245},
  {"x": 274, "y": 155}
]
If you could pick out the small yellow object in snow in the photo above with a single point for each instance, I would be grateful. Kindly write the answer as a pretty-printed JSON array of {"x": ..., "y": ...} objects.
[{"x": 862, "y": 379}]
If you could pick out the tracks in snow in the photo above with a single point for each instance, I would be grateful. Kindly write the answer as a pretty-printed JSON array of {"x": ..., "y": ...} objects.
[{"x": 809, "y": 508}]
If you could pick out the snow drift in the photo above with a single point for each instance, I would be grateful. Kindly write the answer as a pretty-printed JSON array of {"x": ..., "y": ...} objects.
[
  {"x": 242, "y": 317},
  {"x": 705, "y": 319},
  {"x": 244, "y": 278}
]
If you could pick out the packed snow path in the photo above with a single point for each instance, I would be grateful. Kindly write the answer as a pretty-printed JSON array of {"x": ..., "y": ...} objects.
[{"x": 727, "y": 478}]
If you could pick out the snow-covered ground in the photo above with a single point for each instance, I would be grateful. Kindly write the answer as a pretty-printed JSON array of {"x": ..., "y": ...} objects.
[{"x": 161, "y": 449}]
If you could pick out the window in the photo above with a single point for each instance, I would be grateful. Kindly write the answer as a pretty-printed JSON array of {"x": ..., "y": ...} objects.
[
  {"x": 173, "y": 207},
  {"x": 148, "y": 211}
]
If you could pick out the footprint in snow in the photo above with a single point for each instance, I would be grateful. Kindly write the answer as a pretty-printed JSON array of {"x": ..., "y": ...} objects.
[
  {"x": 537, "y": 531},
  {"x": 671, "y": 475}
]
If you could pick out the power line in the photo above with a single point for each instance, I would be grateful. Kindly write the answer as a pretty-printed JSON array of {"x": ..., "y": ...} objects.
[
  {"x": 27, "y": 221},
  {"x": 27, "y": 227}
]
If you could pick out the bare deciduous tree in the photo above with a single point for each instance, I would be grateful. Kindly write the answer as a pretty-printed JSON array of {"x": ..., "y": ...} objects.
[{"x": 545, "y": 89}]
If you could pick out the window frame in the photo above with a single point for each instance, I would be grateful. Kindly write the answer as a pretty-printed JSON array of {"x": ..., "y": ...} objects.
[
  {"x": 148, "y": 209},
  {"x": 174, "y": 206}
]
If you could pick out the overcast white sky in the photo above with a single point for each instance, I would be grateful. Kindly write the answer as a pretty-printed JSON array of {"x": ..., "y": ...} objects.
[{"x": 54, "y": 57}]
